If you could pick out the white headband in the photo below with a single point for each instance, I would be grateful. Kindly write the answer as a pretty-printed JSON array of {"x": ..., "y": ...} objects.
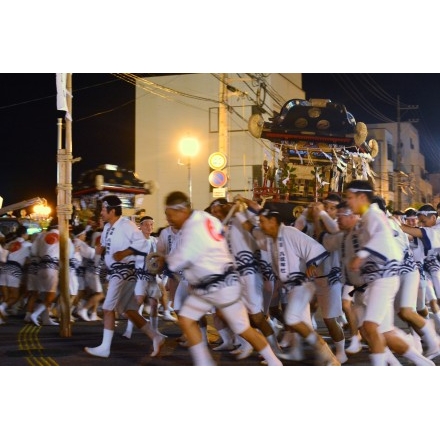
[
  {"x": 178, "y": 206},
  {"x": 107, "y": 205},
  {"x": 347, "y": 212},
  {"x": 426, "y": 212},
  {"x": 266, "y": 212},
  {"x": 355, "y": 190}
]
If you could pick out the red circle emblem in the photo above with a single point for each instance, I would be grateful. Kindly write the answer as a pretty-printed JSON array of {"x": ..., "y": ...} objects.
[
  {"x": 212, "y": 232},
  {"x": 51, "y": 238},
  {"x": 15, "y": 246}
]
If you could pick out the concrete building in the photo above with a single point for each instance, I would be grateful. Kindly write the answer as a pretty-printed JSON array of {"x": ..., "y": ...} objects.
[
  {"x": 402, "y": 179},
  {"x": 434, "y": 179},
  {"x": 171, "y": 108}
]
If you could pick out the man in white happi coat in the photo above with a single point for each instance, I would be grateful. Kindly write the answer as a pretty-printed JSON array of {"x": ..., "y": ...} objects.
[
  {"x": 427, "y": 233},
  {"x": 296, "y": 260},
  {"x": 19, "y": 251},
  {"x": 329, "y": 288},
  {"x": 426, "y": 294},
  {"x": 405, "y": 303},
  {"x": 88, "y": 278},
  {"x": 165, "y": 242},
  {"x": 340, "y": 243},
  {"x": 378, "y": 261},
  {"x": 247, "y": 255},
  {"x": 208, "y": 266},
  {"x": 121, "y": 240},
  {"x": 47, "y": 248}
]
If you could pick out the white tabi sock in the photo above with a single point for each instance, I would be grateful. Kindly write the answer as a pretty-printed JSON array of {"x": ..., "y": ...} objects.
[
  {"x": 436, "y": 318},
  {"x": 429, "y": 335},
  {"x": 417, "y": 358},
  {"x": 102, "y": 350},
  {"x": 390, "y": 359},
  {"x": 269, "y": 356},
  {"x": 128, "y": 330},
  {"x": 201, "y": 356},
  {"x": 378, "y": 359}
]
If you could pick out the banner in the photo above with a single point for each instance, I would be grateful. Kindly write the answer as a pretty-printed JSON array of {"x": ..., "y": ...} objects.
[{"x": 62, "y": 94}]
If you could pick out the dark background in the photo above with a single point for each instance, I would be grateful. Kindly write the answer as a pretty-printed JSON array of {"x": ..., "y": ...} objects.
[{"x": 103, "y": 121}]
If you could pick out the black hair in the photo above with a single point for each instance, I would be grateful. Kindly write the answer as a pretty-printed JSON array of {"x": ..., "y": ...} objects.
[
  {"x": 342, "y": 205},
  {"x": 333, "y": 198},
  {"x": 21, "y": 230},
  {"x": 380, "y": 202},
  {"x": 112, "y": 202},
  {"x": 177, "y": 198},
  {"x": 270, "y": 212},
  {"x": 77, "y": 230},
  {"x": 361, "y": 186},
  {"x": 410, "y": 212}
]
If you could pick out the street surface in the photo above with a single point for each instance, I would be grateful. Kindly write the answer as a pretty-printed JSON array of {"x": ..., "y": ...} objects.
[{"x": 24, "y": 344}]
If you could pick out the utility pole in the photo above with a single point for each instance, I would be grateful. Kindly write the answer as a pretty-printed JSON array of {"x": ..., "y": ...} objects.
[
  {"x": 223, "y": 127},
  {"x": 223, "y": 116},
  {"x": 399, "y": 150}
]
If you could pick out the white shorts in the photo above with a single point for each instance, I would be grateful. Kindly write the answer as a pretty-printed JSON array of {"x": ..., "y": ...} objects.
[
  {"x": 33, "y": 283},
  {"x": 180, "y": 294},
  {"x": 147, "y": 288},
  {"x": 12, "y": 274},
  {"x": 346, "y": 289},
  {"x": 435, "y": 278},
  {"x": 408, "y": 291},
  {"x": 48, "y": 279},
  {"x": 298, "y": 304},
  {"x": 252, "y": 292},
  {"x": 234, "y": 311},
  {"x": 379, "y": 300},
  {"x": 329, "y": 298},
  {"x": 429, "y": 291},
  {"x": 81, "y": 282},
  {"x": 120, "y": 295},
  {"x": 73, "y": 283},
  {"x": 93, "y": 282}
]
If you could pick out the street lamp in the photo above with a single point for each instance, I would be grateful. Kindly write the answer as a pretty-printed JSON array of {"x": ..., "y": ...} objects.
[
  {"x": 41, "y": 214},
  {"x": 189, "y": 147}
]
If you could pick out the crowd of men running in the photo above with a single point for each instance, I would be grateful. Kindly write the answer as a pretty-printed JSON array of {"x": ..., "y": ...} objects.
[{"x": 261, "y": 280}]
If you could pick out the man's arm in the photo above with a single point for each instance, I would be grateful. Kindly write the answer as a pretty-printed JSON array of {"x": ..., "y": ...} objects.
[{"x": 411, "y": 230}]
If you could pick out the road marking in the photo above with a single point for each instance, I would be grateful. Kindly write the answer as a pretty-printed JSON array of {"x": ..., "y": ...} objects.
[{"x": 29, "y": 342}]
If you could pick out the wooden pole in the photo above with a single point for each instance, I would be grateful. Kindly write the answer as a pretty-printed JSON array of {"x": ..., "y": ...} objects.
[{"x": 64, "y": 211}]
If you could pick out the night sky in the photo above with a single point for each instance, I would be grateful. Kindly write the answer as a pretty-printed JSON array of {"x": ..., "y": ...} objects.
[
  {"x": 103, "y": 121},
  {"x": 103, "y": 130}
]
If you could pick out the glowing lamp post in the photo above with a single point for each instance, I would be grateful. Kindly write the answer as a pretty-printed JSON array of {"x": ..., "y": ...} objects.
[
  {"x": 41, "y": 214},
  {"x": 189, "y": 147}
]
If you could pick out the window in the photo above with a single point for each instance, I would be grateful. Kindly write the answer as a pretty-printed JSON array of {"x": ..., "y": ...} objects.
[
  {"x": 390, "y": 152},
  {"x": 390, "y": 182}
]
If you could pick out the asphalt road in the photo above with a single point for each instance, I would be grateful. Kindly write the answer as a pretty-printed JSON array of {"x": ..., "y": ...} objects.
[{"x": 24, "y": 344}]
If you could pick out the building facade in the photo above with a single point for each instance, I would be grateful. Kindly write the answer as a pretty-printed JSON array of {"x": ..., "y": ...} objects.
[
  {"x": 171, "y": 108},
  {"x": 402, "y": 179},
  {"x": 215, "y": 110}
]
